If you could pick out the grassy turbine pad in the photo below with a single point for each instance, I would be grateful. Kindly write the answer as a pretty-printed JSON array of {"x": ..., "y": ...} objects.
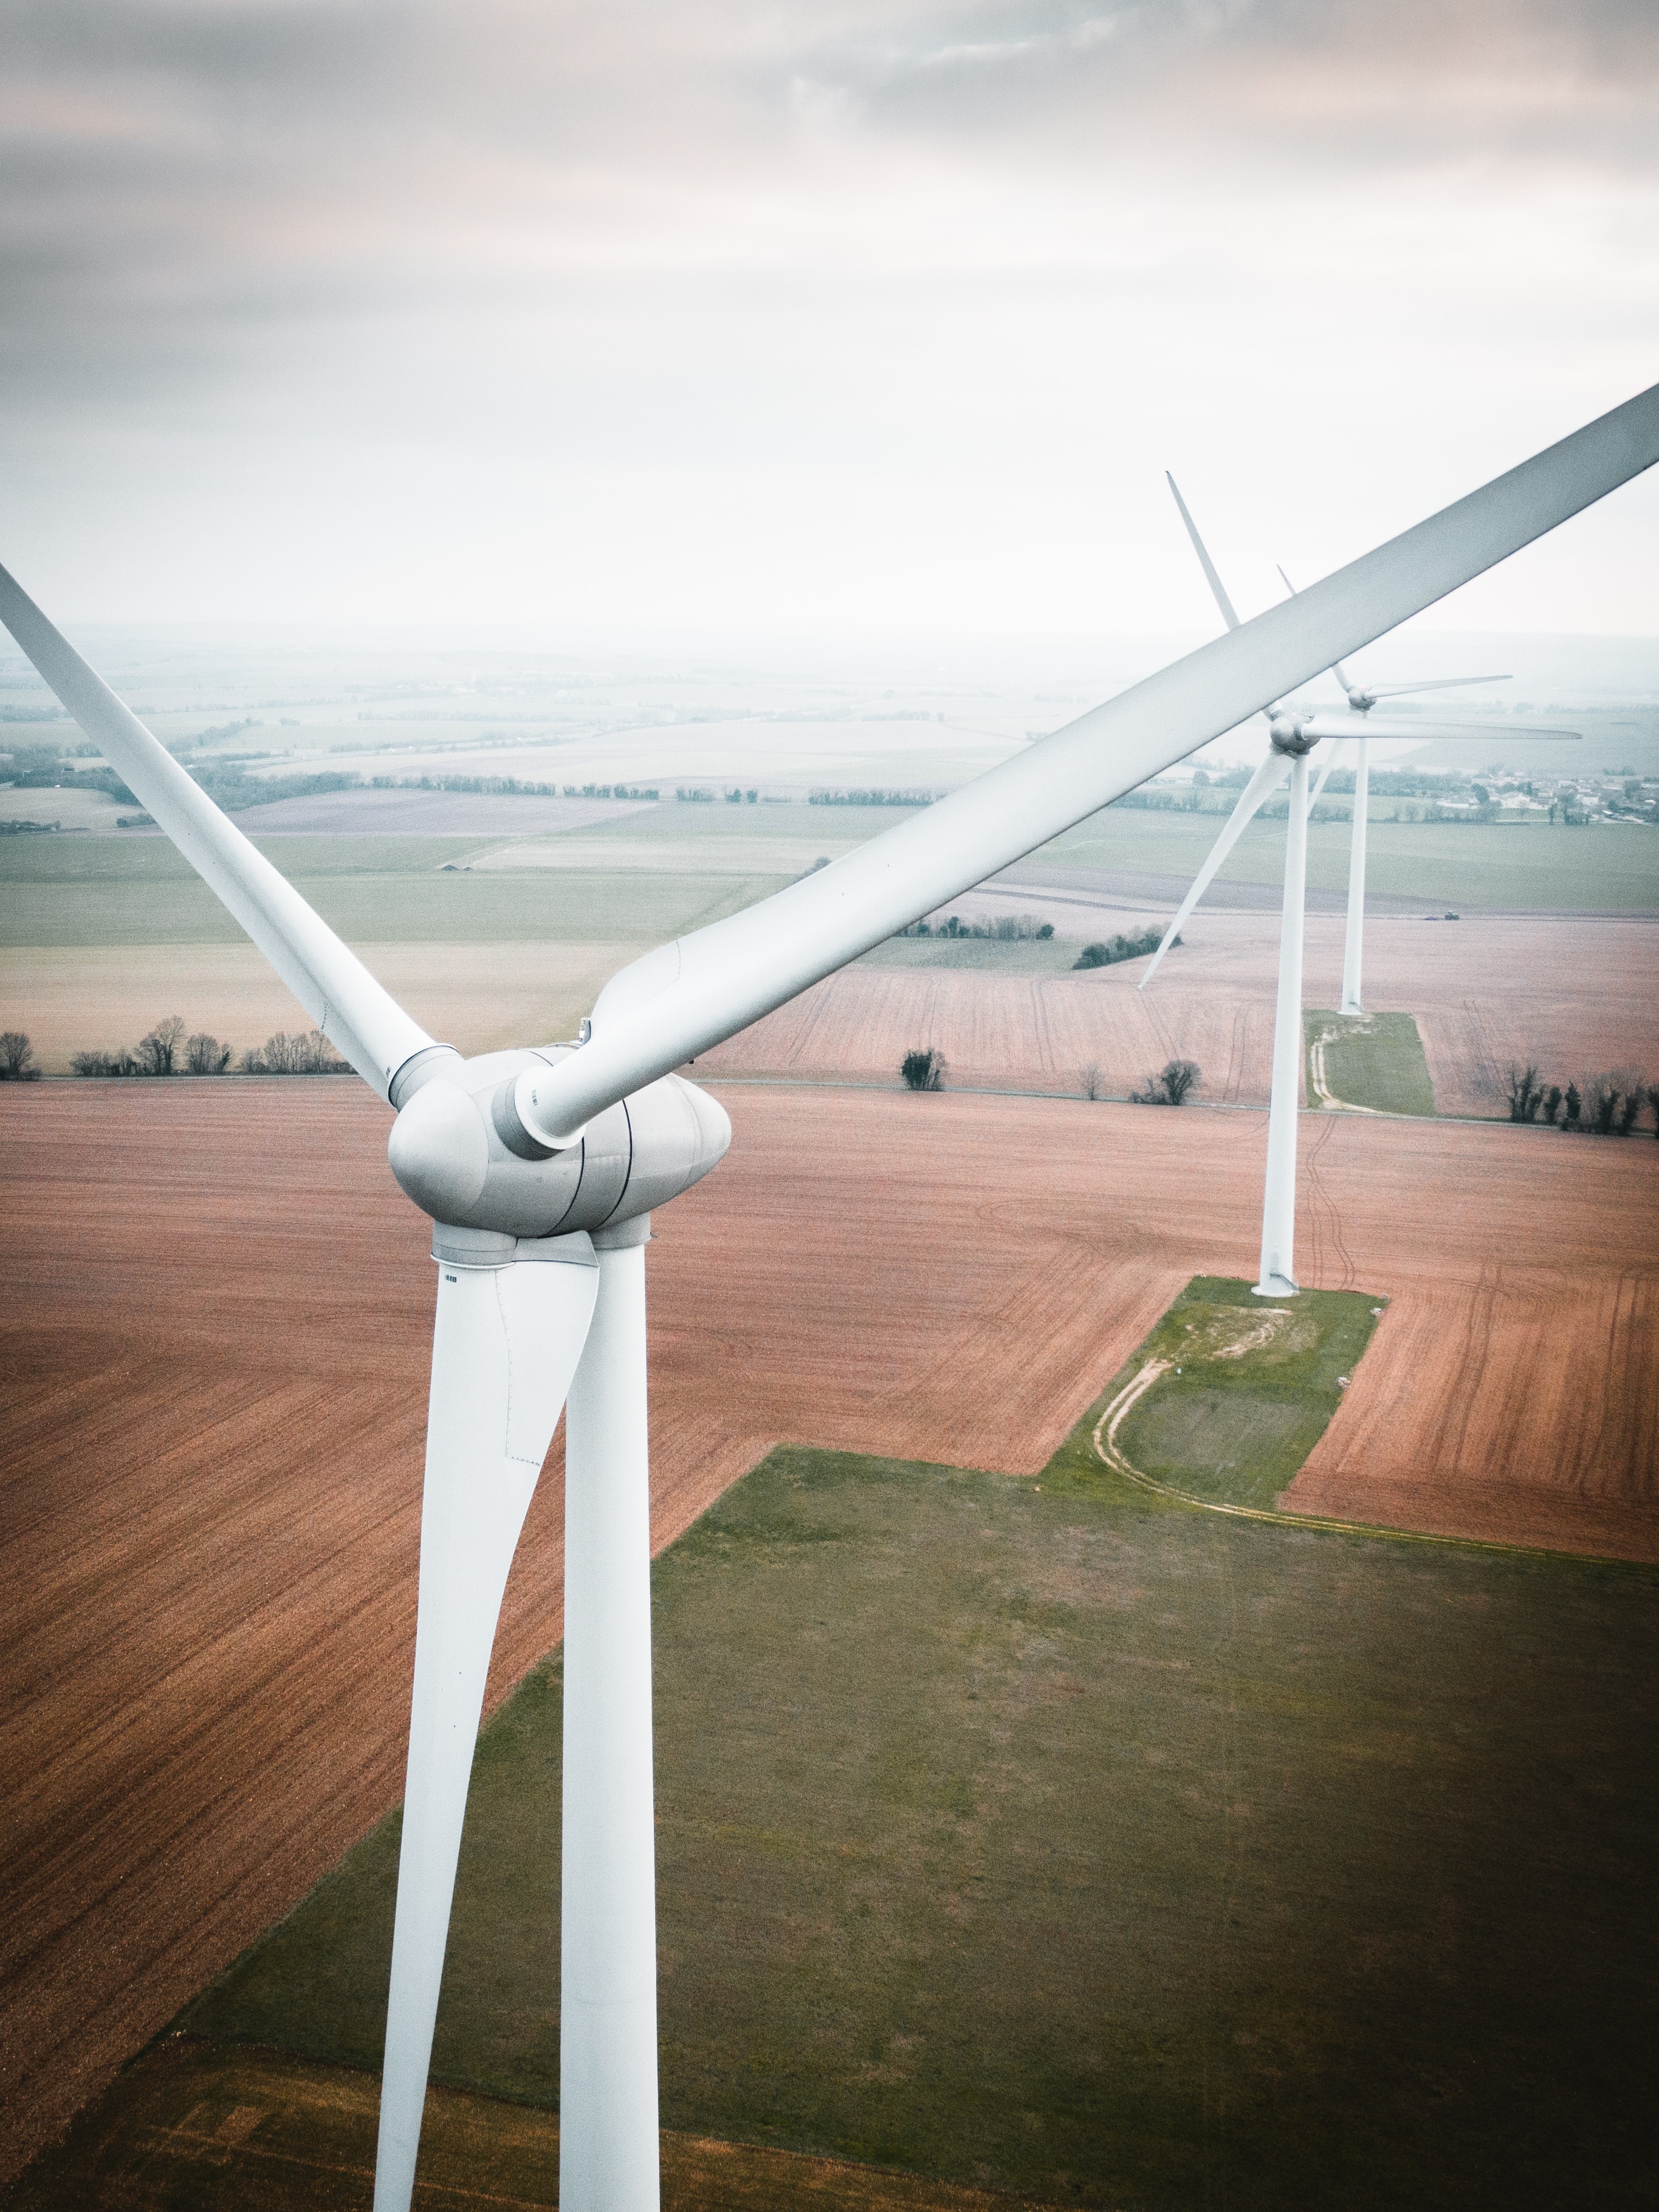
[
  {"x": 1373, "y": 1060},
  {"x": 1050, "y": 1837},
  {"x": 1247, "y": 1389}
]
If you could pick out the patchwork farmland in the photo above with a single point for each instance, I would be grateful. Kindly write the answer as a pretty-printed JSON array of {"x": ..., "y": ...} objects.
[{"x": 213, "y": 1434}]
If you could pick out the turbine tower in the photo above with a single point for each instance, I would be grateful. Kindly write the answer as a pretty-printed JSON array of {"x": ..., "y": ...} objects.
[
  {"x": 540, "y": 1168},
  {"x": 1292, "y": 736}
]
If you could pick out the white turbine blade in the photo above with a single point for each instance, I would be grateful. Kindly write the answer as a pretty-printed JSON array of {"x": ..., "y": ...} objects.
[
  {"x": 1324, "y": 774},
  {"x": 505, "y": 1347},
  {"x": 1380, "y": 726},
  {"x": 1337, "y": 669},
  {"x": 1439, "y": 684},
  {"x": 1204, "y": 561},
  {"x": 1255, "y": 794},
  {"x": 686, "y": 997},
  {"x": 352, "y": 1010}
]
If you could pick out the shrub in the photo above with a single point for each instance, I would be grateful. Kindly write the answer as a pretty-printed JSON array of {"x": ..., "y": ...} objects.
[
  {"x": 205, "y": 1055},
  {"x": 1118, "y": 948},
  {"x": 923, "y": 1070},
  {"x": 1171, "y": 1086},
  {"x": 17, "y": 1058},
  {"x": 105, "y": 1063}
]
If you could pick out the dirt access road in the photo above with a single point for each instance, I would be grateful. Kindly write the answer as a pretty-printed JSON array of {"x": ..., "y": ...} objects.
[{"x": 216, "y": 1316}]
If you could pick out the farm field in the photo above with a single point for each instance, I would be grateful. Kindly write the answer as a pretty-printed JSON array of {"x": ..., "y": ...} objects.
[
  {"x": 1486, "y": 992},
  {"x": 1044, "y": 1836},
  {"x": 213, "y": 1429},
  {"x": 71, "y": 998},
  {"x": 1521, "y": 868}
]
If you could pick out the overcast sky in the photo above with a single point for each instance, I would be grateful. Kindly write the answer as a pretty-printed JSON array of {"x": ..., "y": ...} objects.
[{"x": 838, "y": 318}]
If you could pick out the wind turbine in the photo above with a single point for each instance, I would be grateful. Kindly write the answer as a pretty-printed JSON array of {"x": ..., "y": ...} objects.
[
  {"x": 1292, "y": 735},
  {"x": 539, "y": 1169}
]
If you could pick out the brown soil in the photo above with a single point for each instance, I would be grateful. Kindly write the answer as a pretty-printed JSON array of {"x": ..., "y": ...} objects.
[
  {"x": 1576, "y": 996},
  {"x": 217, "y": 1310}
]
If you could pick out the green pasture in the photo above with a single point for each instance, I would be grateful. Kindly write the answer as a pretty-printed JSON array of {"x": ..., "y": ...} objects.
[
  {"x": 1521, "y": 866},
  {"x": 1371, "y": 1060},
  {"x": 1057, "y": 1838},
  {"x": 1250, "y": 1387},
  {"x": 371, "y": 891}
]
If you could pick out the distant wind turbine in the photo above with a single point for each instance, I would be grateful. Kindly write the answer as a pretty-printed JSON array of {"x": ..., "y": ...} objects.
[
  {"x": 540, "y": 1170},
  {"x": 1292, "y": 735}
]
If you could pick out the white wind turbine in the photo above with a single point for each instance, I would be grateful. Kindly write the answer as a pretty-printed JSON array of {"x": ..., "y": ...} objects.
[
  {"x": 1293, "y": 734},
  {"x": 539, "y": 1169}
]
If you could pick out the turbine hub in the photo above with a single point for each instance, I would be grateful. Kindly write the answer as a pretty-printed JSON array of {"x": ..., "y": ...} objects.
[
  {"x": 460, "y": 1150},
  {"x": 1290, "y": 736}
]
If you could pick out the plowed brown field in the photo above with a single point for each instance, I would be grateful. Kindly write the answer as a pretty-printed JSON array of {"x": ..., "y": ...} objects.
[
  {"x": 1576, "y": 996},
  {"x": 215, "y": 1318}
]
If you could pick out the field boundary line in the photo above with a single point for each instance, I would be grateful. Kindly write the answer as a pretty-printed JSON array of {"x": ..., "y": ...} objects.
[
  {"x": 1107, "y": 1451},
  {"x": 715, "y": 1077}
]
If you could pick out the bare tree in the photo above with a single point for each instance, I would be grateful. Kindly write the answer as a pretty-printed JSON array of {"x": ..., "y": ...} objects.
[
  {"x": 1171, "y": 1086},
  {"x": 309, "y": 1055},
  {"x": 17, "y": 1058},
  {"x": 923, "y": 1070},
  {"x": 1601, "y": 1095},
  {"x": 1179, "y": 1078},
  {"x": 157, "y": 1052},
  {"x": 205, "y": 1055},
  {"x": 1526, "y": 1094},
  {"x": 1090, "y": 1081}
]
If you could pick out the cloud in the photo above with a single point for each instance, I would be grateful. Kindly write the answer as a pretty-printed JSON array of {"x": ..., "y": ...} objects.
[{"x": 628, "y": 301}]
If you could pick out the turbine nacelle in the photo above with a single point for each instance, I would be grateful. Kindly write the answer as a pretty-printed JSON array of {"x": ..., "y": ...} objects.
[
  {"x": 1292, "y": 736},
  {"x": 461, "y": 1152}
]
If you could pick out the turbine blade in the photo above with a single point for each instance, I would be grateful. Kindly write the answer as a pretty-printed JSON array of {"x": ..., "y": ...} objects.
[
  {"x": 1380, "y": 726},
  {"x": 1439, "y": 684},
  {"x": 688, "y": 996},
  {"x": 1324, "y": 775},
  {"x": 352, "y": 1010},
  {"x": 505, "y": 1347},
  {"x": 1337, "y": 669},
  {"x": 1254, "y": 795},
  {"x": 1204, "y": 561}
]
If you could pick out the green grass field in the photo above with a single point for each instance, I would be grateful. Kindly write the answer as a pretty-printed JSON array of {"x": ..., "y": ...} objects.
[
  {"x": 1525, "y": 866},
  {"x": 1368, "y": 1060},
  {"x": 85, "y": 890},
  {"x": 1249, "y": 1386},
  {"x": 1055, "y": 1837},
  {"x": 144, "y": 893}
]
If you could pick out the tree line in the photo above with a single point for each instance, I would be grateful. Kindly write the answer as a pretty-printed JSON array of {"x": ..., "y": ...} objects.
[
  {"x": 1114, "y": 949},
  {"x": 167, "y": 1051},
  {"x": 1605, "y": 1106}
]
